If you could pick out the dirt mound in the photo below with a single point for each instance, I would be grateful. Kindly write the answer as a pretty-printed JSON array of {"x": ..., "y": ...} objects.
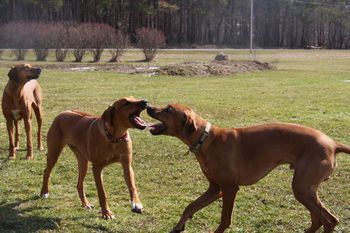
[{"x": 215, "y": 68}]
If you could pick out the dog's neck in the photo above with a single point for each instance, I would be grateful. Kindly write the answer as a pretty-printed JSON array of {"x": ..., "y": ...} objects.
[
  {"x": 200, "y": 136},
  {"x": 14, "y": 90},
  {"x": 115, "y": 134}
]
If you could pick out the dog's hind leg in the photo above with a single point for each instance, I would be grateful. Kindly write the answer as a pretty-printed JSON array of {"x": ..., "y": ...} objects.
[
  {"x": 38, "y": 114},
  {"x": 307, "y": 178},
  {"x": 55, "y": 146}
]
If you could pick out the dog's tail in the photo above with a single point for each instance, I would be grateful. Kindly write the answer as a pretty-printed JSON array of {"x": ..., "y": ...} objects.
[{"x": 342, "y": 148}]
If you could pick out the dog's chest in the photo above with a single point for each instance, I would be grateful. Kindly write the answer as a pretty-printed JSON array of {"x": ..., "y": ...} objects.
[
  {"x": 16, "y": 113},
  {"x": 204, "y": 166},
  {"x": 116, "y": 154}
]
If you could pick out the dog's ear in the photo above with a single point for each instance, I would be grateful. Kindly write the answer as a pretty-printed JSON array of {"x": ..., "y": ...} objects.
[
  {"x": 189, "y": 125},
  {"x": 108, "y": 115},
  {"x": 13, "y": 74}
]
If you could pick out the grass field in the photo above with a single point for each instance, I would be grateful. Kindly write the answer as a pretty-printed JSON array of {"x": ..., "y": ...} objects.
[{"x": 309, "y": 87}]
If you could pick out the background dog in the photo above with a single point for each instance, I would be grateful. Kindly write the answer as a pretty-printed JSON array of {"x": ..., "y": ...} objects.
[
  {"x": 21, "y": 94},
  {"x": 242, "y": 156},
  {"x": 101, "y": 141}
]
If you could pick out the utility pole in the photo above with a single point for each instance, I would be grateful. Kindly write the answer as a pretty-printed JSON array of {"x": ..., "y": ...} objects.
[{"x": 251, "y": 24}]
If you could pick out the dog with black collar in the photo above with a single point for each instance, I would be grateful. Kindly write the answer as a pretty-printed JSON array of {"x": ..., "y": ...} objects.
[{"x": 230, "y": 158}]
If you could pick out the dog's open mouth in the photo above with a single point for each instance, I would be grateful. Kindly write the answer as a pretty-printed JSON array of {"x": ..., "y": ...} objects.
[
  {"x": 136, "y": 120},
  {"x": 157, "y": 128}
]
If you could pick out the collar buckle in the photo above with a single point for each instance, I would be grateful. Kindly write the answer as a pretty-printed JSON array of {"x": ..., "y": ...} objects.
[{"x": 202, "y": 139}]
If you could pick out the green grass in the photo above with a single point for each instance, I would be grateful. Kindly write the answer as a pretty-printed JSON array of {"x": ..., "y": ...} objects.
[{"x": 307, "y": 88}]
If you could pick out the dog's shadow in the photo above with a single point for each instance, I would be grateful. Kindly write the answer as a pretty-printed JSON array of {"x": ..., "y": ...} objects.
[{"x": 16, "y": 217}]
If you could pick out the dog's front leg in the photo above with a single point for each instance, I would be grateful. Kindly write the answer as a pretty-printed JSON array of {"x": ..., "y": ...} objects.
[
  {"x": 28, "y": 128},
  {"x": 39, "y": 119},
  {"x": 136, "y": 205},
  {"x": 212, "y": 194},
  {"x": 228, "y": 198},
  {"x": 106, "y": 213},
  {"x": 16, "y": 136},
  {"x": 12, "y": 154}
]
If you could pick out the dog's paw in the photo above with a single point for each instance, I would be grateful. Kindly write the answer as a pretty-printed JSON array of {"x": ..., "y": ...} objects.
[
  {"x": 107, "y": 215},
  {"x": 45, "y": 195},
  {"x": 178, "y": 231},
  {"x": 136, "y": 207},
  {"x": 29, "y": 157},
  {"x": 88, "y": 206}
]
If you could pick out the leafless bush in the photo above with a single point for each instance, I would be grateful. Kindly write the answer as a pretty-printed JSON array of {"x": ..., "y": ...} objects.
[
  {"x": 120, "y": 43},
  {"x": 42, "y": 39},
  {"x": 61, "y": 40},
  {"x": 17, "y": 37},
  {"x": 100, "y": 37},
  {"x": 2, "y": 43},
  {"x": 79, "y": 40},
  {"x": 94, "y": 37},
  {"x": 150, "y": 40}
]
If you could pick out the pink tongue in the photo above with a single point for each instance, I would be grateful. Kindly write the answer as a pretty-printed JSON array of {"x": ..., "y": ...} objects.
[{"x": 139, "y": 121}]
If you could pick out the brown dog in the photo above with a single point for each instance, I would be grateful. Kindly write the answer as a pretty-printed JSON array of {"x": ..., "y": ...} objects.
[
  {"x": 101, "y": 141},
  {"x": 242, "y": 156},
  {"x": 21, "y": 94}
]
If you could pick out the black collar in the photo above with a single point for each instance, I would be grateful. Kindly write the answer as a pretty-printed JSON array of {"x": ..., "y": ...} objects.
[
  {"x": 202, "y": 138},
  {"x": 112, "y": 139}
]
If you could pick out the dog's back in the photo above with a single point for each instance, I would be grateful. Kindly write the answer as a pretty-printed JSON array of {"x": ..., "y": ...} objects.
[{"x": 66, "y": 123}]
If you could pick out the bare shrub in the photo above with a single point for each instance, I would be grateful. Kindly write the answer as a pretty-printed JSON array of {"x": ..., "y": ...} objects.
[
  {"x": 150, "y": 40},
  {"x": 119, "y": 43},
  {"x": 42, "y": 39},
  {"x": 17, "y": 37},
  {"x": 79, "y": 40},
  {"x": 100, "y": 37},
  {"x": 61, "y": 40},
  {"x": 2, "y": 45}
]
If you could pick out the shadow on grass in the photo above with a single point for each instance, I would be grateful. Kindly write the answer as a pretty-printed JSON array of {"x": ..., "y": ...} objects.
[
  {"x": 98, "y": 228},
  {"x": 14, "y": 218}
]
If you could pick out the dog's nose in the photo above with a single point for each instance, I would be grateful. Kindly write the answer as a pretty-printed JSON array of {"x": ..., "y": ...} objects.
[
  {"x": 144, "y": 103},
  {"x": 150, "y": 109},
  {"x": 38, "y": 70}
]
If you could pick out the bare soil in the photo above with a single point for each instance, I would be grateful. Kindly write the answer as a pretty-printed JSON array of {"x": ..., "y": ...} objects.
[{"x": 214, "y": 68}]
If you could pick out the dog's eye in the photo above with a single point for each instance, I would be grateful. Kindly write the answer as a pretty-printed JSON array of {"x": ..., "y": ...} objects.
[
  {"x": 168, "y": 110},
  {"x": 127, "y": 103}
]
